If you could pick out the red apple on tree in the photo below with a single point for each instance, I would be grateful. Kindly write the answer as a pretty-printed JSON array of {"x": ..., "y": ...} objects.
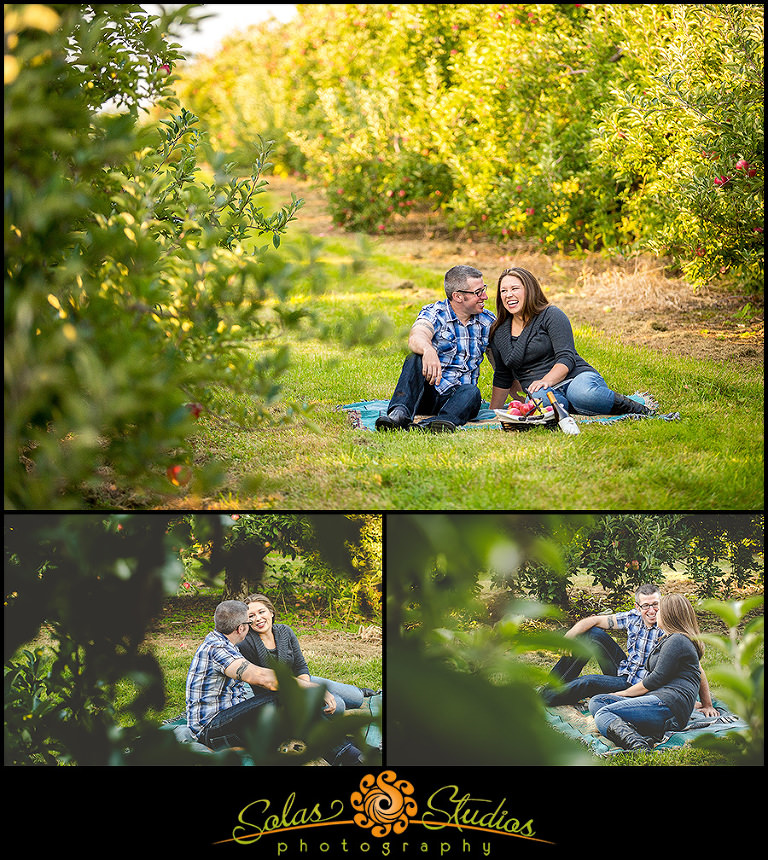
[{"x": 178, "y": 475}]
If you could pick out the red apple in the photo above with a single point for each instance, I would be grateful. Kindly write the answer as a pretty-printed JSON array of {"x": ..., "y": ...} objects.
[{"x": 179, "y": 475}]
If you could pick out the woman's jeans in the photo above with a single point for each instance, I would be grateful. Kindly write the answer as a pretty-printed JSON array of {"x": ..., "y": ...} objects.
[
  {"x": 418, "y": 397},
  {"x": 648, "y": 714},
  {"x": 577, "y": 686},
  {"x": 585, "y": 394},
  {"x": 346, "y": 695}
]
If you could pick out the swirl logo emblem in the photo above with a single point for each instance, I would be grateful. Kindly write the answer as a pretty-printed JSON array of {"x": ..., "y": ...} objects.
[{"x": 384, "y": 803}]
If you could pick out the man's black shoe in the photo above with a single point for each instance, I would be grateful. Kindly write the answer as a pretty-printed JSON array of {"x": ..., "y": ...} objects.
[
  {"x": 395, "y": 419},
  {"x": 441, "y": 426}
]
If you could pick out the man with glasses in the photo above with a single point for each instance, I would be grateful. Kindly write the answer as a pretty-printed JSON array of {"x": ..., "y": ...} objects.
[
  {"x": 220, "y": 703},
  {"x": 620, "y": 670},
  {"x": 447, "y": 341}
]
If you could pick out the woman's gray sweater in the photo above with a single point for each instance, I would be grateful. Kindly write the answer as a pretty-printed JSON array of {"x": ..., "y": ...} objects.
[
  {"x": 288, "y": 650},
  {"x": 674, "y": 675},
  {"x": 546, "y": 340}
]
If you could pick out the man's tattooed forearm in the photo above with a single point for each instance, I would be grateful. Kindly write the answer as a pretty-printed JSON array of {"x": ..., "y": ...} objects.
[
  {"x": 240, "y": 669},
  {"x": 610, "y": 622}
]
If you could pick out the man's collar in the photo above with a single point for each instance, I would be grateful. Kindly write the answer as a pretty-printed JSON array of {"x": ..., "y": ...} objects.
[{"x": 453, "y": 311}]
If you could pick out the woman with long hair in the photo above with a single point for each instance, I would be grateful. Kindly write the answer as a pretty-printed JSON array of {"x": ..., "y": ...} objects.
[
  {"x": 268, "y": 642},
  {"x": 531, "y": 342},
  {"x": 664, "y": 700}
]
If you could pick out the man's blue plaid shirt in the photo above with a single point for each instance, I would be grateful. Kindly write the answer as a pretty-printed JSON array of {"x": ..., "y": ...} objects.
[
  {"x": 641, "y": 640},
  {"x": 460, "y": 348},
  {"x": 209, "y": 690}
]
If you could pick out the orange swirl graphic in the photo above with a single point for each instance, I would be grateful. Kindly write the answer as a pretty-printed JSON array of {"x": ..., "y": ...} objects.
[{"x": 383, "y": 804}]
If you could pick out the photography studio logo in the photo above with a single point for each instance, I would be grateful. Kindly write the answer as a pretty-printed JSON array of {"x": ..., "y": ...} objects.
[{"x": 382, "y": 817}]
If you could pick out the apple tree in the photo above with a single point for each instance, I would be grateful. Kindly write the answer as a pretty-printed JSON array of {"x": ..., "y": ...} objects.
[
  {"x": 684, "y": 136},
  {"x": 136, "y": 284},
  {"x": 624, "y": 128},
  {"x": 237, "y": 550}
]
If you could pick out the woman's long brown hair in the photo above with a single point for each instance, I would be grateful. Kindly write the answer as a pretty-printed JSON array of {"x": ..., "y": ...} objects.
[
  {"x": 534, "y": 303},
  {"x": 678, "y": 616}
]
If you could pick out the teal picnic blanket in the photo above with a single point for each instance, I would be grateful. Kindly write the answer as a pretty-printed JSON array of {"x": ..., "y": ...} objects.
[
  {"x": 363, "y": 415},
  {"x": 576, "y": 722}
]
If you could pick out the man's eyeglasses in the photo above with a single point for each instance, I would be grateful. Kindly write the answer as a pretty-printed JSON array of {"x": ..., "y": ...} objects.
[
  {"x": 478, "y": 293},
  {"x": 644, "y": 607}
]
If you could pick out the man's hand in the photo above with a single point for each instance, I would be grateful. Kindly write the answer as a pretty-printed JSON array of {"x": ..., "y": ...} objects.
[
  {"x": 420, "y": 342},
  {"x": 430, "y": 366},
  {"x": 606, "y": 622}
]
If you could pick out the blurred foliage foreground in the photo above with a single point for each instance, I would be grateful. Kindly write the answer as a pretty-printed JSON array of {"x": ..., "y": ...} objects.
[
  {"x": 97, "y": 582},
  {"x": 131, "y": 300},
  {"x": 460, "y": 693}
]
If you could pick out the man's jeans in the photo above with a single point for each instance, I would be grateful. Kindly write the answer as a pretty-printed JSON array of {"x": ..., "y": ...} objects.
[
  {"x": 577, "y": 686},
  {"x": 228, "y": 727},
  {"x": 648, "y": 714},
  {"x": 458, "y": 405}
]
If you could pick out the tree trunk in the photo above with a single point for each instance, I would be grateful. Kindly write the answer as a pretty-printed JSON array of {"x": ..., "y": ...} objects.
[{"x": 243, "y": 571}]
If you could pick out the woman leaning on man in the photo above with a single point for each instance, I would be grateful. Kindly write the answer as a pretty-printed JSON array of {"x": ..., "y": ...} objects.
[
  {"x": 664, "y": 700},
  {"x": 532, "y": 348}
]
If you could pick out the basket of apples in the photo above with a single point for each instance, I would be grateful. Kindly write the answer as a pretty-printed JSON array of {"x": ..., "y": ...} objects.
[{"x": 524, "y": 414}]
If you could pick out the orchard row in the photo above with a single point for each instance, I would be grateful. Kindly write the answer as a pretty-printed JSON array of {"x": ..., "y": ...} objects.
[{"x": 579, "y": 127}]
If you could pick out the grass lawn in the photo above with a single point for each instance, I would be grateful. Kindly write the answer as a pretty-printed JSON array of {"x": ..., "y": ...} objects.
[{"x": 710, "y": 459}]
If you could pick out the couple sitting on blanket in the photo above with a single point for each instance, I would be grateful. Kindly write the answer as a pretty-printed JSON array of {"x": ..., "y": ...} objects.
[
  {"x": 529, "y": 344},
  {"x": 654, "y": 687},
  {"x": 238, "y": 652}
]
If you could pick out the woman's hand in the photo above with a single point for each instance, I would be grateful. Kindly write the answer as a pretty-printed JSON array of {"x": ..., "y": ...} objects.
[
  {"x": 554, "y": 377},
  {"x": 499, "y": 397},
  {"x": 638, "y": 689},
  {"x": 708, "y": 711},
  {"x": 330, "y": 704}
]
